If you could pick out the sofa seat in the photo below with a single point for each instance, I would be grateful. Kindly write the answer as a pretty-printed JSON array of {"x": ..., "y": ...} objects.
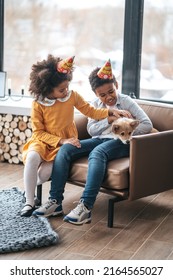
[{"x": 117, "y": 177}]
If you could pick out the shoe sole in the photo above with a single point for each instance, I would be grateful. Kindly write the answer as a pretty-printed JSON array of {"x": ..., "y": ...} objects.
[
  {"x": 86, "y": 221},
  {"x": 28, "y": 213},
  {"x": 56, "y": 214},
  {"x": 49, "y": 215}
]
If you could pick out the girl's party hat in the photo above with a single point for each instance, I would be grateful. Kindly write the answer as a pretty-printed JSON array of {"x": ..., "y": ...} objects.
[{"x": 65, "y": 65}]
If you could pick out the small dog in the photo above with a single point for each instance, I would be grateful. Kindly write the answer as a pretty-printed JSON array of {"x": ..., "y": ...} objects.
[{"x": 122, "y": 128}]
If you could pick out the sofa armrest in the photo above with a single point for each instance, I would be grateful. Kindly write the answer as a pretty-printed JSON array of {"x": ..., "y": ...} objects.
[{"x": 151, "y": 161}]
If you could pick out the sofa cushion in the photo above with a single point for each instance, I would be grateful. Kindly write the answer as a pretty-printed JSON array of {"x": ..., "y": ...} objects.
[{"x": 117, "y": 177}]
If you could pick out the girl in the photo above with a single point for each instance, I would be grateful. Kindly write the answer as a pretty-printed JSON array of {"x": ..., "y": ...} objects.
[{"x": 52, "y": 121}]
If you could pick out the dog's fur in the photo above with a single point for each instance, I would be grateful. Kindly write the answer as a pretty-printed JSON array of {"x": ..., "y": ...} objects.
[
  {"x": 154, "y": 130},
  {"x": 122, "y": 128}
]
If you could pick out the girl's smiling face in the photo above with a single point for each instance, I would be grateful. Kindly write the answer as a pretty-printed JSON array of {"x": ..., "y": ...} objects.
[{"x": 61, "y": 91}]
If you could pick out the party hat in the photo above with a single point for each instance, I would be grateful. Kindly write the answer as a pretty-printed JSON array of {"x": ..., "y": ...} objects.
[
  {"x": 106, "y": 71},
  {"x": 65, "y": 65}
]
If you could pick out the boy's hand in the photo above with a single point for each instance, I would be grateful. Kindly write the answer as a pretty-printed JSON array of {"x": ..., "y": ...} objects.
[{"x": 73, "y": 141}]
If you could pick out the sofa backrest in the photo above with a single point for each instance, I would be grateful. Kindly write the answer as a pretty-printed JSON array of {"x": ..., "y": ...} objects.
[
  {"x": 161, "y": 115},
  {"x": 81, "y": 124}
]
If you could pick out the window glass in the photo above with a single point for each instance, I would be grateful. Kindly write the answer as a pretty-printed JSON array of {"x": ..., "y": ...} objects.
[
  {"x": 90, "y": 30},
  {"x": 157, "y": 51}
]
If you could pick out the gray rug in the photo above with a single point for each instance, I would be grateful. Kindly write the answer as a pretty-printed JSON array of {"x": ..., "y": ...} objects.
[{"x": 19, "y": 233}]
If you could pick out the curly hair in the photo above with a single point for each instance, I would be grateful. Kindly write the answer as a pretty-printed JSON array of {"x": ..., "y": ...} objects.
[
  {"x": 96, "y": 82},
  {"x": 44, "y": 77}
]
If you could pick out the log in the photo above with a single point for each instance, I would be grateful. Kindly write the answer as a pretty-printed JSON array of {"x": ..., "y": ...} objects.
[
  {"x": 5, "y": 131},
  {"x": 15, "y": 160},
  {"x": 8, "y": 117},
  {"x": 22, "y": 136},
  {"x": 1, "y": 157},
  {"x": 14, "y": 132},
  {"x": 7, "y": 139},
  {"x": 14, "y": 139},
  {"x": 1, "y": 137},
  {"x": 20, "y": 157},
  {"x": 6, "y": 124},
  {"x": 13, "y": 124},
  {"x": 14, "y": 152},
  {"x": 16, "y": 119},
  {"x": 20, "y": 142},
  {"x": 13, "y": 146},
  {"x": 22, "y": 125},
  {"x": 7, "y": 156},
  {"x": 4, "y": 147},
  {"x": 29, "y": 125},
  {"x": 28, "y": 133},
  {"x": 21, "y": 148},
  {"x": 25, "y": 118}
]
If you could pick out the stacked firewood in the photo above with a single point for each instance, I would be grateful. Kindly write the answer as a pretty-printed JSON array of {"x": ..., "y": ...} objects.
[{"x": 14, "y": 132}]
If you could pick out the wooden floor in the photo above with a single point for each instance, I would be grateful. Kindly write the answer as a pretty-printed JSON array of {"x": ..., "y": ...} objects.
[{"x": 143, "y": 229}]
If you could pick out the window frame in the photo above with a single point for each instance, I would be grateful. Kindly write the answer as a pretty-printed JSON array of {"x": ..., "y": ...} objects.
[
  {"x": 1, "y": 35},
  {"x": 132, "y": 46},
  {"x": 133, "y": 23}
]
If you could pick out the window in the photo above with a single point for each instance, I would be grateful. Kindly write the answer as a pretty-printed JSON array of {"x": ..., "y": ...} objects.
[
  {"x": 90, "y": 30},
  {"x": 2, "y": 83},
  {"x": 157, "y": 52}
]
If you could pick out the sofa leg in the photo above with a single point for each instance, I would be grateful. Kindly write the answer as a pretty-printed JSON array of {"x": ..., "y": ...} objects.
[
  {"x": 39, "y": 194},
  {"x": 111, "y": 210}
]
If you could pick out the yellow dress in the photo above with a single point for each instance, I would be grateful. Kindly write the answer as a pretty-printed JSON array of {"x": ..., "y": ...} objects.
[{"x": 52, "y": 123}]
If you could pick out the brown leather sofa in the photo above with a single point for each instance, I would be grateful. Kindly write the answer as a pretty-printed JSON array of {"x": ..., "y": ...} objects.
[{"x": 148, "y": 170}]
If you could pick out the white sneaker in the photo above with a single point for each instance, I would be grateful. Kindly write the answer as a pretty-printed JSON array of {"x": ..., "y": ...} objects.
[
  {"x": 50, "y": 208},
  {"x": 79, "y": 215}
]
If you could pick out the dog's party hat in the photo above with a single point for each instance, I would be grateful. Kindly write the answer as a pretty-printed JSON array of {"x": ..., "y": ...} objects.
[
  {"x": 106, "y": 71},
  {"x": 65, "y": 65}
]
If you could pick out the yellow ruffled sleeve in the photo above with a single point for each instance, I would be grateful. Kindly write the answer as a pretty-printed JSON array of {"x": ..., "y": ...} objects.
[{"x": 88, "y": 110}]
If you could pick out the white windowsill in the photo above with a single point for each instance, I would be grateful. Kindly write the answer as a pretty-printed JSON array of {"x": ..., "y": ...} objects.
[
  {"x": 20, "y": 107},
  {"x": 17, "y": 107}
]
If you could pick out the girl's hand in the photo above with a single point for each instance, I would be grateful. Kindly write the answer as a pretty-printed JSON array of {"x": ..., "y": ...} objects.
[
  {"x": 73, "y": 141},
  {"x": 119, "y": 113},
  {"x": 111, "y": 119}
]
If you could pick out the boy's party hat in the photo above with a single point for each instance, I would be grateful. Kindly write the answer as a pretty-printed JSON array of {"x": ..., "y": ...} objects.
[
  {"x": 106, "y": 71},
  {"x": 65, "y": 65}
]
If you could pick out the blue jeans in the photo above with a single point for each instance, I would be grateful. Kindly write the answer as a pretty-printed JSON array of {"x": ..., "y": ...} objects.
[{"x": 100, "y": 152}]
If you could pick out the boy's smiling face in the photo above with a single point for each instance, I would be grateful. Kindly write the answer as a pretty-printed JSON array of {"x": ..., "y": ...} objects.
[{"x": 107, "y": 93}]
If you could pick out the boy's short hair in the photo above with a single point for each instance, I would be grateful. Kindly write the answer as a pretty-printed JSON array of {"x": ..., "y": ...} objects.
[
  {"x": 96, "y": 82},
  {"x": 44, "y": 77}
]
